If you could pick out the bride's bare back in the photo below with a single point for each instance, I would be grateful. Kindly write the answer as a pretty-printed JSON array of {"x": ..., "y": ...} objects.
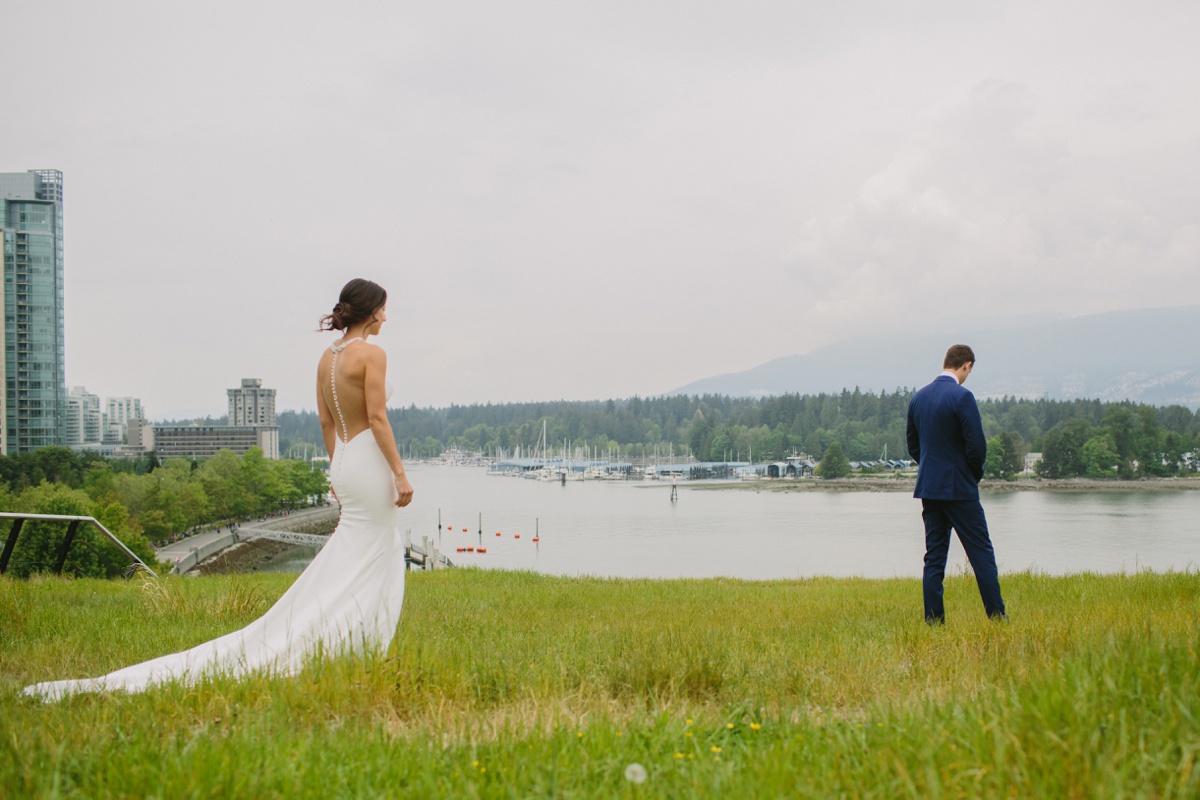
[{"x": 352, "y": 384}]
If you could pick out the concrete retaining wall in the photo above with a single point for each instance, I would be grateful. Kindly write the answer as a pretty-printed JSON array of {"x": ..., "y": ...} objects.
[{"x": 198, "y": 554}]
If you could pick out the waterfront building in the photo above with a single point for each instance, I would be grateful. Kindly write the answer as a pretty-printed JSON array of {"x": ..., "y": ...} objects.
[
  {"x": 83, "y": 417},
  {"x": 251, "y": 423},
  {"x": 198, "y": 440},
  {"x": 33, "y": 403}
]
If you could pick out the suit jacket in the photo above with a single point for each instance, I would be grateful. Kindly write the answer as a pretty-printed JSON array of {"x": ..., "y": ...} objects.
[{"x": 945, "y": 438}]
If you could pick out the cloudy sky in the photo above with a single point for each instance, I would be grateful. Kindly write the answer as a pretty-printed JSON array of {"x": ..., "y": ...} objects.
[{"x": 589, "y": 200}]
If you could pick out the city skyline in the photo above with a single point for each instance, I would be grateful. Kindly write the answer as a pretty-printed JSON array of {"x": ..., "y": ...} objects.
[{"x": 592, "y": 201}]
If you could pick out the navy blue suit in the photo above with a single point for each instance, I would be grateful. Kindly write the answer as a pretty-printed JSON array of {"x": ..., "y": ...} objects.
[{"x": 945, "y": 438}]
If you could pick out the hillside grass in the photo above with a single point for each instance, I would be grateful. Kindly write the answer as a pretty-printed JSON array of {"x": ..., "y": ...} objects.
[{"x": 513, "y": 684}]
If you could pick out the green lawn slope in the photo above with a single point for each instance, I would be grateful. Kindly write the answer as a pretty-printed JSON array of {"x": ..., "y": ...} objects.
[{"x": 511, "y": 684}]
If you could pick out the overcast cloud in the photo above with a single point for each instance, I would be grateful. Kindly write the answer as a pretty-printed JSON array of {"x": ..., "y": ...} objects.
[{"x": 592, "y": 200}]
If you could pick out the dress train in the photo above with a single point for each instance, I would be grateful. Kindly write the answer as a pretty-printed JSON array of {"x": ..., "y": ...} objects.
[{"x": 348, "y": 598}]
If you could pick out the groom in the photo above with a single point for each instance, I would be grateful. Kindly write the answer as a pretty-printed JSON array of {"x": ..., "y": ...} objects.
[{"x": 945, "y": 438}]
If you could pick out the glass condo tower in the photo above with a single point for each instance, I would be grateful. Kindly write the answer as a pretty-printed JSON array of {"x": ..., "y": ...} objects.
[{"x": 33, "y": 404}]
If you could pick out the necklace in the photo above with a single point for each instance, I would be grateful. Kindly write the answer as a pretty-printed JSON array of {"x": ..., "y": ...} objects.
[{"x": 337, "y": 348}]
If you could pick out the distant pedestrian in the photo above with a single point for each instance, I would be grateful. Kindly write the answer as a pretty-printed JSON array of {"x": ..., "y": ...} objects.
[{"x": 945, "y": 438}]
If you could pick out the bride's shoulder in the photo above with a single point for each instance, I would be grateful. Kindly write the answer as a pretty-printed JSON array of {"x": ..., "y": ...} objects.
[{"x": 373, "y": 352}]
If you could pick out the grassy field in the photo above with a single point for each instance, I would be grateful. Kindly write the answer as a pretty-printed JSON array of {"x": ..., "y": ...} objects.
[{"x": 503, "y": 684}]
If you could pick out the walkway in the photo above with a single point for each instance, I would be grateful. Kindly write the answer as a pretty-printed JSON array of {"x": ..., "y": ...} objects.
[{"x": 186, "y": 553}]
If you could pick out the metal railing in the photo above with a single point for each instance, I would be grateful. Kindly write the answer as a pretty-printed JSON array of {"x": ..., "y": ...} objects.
[{"x": 64, "y": 547}]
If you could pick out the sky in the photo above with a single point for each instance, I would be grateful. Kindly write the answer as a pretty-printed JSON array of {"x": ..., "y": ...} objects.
[{"x": 588, "y": 200}]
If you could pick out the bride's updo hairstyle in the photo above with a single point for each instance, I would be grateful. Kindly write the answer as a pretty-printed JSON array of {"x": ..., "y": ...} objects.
[{"x": 359, "y": 300}]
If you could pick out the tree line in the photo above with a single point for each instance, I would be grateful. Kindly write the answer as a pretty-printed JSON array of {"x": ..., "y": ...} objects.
[
  {"x": 140, "y": 501},
  {"x": 1121, "y": 439}
]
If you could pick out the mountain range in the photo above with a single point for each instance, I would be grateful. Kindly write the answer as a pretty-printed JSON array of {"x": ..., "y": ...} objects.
[{"x": 1144, "y": 355}]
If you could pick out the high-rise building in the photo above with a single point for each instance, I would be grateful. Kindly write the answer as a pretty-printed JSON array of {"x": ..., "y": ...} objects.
[
  {"x": 33, "y": 403},
  {"x": 251, "y": 404},
  {"x": 119, "y": 412},
  {"x": 83, "y": 417}
]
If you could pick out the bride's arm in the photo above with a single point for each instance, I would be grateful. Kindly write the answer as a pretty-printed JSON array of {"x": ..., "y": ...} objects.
[{"x": 375, "y": 394}]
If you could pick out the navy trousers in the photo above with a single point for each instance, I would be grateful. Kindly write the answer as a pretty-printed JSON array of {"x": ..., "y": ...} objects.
[{"x": 967, "y": 519}]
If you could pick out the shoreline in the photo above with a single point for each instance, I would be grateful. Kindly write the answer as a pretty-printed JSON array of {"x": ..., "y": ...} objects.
[{"x": 905, "y": 484}]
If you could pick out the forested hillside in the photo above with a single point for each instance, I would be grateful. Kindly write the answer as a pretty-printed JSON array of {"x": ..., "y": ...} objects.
[{"x": 1125, "y": 439}]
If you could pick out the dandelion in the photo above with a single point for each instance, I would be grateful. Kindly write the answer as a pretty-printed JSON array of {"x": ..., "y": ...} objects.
[
  {"x": 688, "y": 734},
  {"x": 635, "y": 773},
  {"x": 754, "y": 726},
  {"x": 678, "y": 755},
  {"x": 715, "y": 749},
  {"x": 580, "y": 734},
  {"x": 689, "y": 722},
  {"x": 729, "y": 725}
]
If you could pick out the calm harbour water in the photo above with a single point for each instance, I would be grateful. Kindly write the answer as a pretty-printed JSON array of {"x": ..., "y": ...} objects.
[{"x": 632, "y": 529}]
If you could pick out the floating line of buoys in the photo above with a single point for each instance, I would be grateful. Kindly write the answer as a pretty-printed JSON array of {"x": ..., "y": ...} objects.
[{"x": 477, "y": 549}]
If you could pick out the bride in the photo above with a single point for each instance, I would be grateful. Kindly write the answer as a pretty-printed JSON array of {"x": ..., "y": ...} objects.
[{"x": 349, "y": 597}]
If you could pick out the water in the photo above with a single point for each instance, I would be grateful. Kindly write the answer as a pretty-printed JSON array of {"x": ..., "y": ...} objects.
[
  {"x": 294, "y": 559},
  {"x": 632, "y": 529}
]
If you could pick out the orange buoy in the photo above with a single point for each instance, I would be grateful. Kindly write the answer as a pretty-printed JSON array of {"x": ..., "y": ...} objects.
[
  {"x": 470, "y": 549},
  {"x": 461, "y": 549},
  {"x": 497, "y": 533},
  {"x": 537, "y": 538},
  {"x": 516, "y": 536},
  {"x": 481, "y": 550},
  {"x": 464, "y": 530}
]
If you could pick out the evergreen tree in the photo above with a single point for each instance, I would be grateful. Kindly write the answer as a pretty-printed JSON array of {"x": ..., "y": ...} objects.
[{"x": 834, "y": 464}]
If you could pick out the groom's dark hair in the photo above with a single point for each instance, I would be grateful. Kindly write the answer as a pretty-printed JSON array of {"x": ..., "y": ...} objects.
[{"x": 958, "y": 355}]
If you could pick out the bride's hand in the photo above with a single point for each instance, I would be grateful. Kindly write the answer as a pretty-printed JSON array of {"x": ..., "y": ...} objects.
[{"x": 404, "y": 491}]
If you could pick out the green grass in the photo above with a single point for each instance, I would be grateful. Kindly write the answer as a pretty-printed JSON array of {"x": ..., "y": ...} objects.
[{"x": 503, "y": 684}]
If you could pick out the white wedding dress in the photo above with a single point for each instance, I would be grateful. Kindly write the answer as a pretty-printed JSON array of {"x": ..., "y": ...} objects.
[{"x": 347, "y": 600}]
